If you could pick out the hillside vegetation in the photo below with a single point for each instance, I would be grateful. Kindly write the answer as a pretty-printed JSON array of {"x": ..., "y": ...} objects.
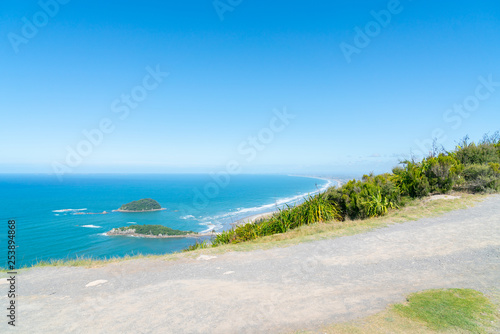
[
  {"x": 470, "y": 167},
  {"x": 154, "y": 230},
  {"x": 145, "y": 204}
]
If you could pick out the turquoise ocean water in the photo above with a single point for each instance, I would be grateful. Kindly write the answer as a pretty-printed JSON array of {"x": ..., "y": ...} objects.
[{"x": 49, "y": 226}]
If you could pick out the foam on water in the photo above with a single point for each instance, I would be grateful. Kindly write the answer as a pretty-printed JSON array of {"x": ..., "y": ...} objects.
[
  {"x": 69, "y": 210},
  {"x": 279, "y": 203}
]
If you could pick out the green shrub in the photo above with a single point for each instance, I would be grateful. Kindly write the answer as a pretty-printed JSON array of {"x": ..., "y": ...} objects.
[
  {"x": 411, "y": 179},
  {"x": 480, "y": 178},
  {"x": 370, "y": 197},
  {"x": 494, "y": 166},
  {"x": 198, "y": 245},
  {"x": 378, "y": 205},
  {"x": 487, "y": 150},
  {"x": 224, "y": 237},
  {"x": 441, "y": 172}
]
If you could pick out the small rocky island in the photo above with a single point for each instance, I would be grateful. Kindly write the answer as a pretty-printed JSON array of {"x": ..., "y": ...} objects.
[
  {"x": 142, "y": 205},
  {"x": 153, "y": 231}
]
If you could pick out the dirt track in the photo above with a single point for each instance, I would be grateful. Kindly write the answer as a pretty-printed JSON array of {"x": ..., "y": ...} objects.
[{"x": 270, "y": 291}]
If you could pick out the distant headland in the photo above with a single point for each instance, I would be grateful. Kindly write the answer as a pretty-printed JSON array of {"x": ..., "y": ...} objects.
[{"x": 142, "y": 205}]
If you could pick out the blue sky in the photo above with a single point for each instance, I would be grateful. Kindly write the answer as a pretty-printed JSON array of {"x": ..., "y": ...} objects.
[{"x": 228, "y": 77}]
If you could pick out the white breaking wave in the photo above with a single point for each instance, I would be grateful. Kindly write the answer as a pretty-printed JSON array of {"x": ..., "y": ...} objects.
[
  {"x": 217, "y": 223},
  {"x": 209, "y": 229},
  {"x": 280, "y": 203},
  {"x": 69, "y": 210},
  {"x": 206, "y": 223},
  {"x": 212, "y": 227},
  {"x": 131, "y": 223},
  {"x": 91, "y": 226}
]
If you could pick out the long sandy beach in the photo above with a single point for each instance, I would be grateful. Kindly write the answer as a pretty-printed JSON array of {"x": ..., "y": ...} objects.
[{"x": 258, "y": 216}]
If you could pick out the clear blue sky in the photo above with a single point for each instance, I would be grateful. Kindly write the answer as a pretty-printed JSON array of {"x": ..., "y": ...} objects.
[{"x": 227, "y": 76}]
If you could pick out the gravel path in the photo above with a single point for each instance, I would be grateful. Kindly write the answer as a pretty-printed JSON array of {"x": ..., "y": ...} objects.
[{"x": 271, "y": 291}]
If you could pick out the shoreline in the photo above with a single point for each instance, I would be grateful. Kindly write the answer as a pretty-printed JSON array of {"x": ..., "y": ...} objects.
[
  {"x": 254, "y": 217},
  {"x": 330, "y": 179}
]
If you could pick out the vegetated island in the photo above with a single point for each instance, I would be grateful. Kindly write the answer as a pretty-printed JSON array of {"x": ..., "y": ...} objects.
[
  {"x": 154, "y": 231},
  {"x": 142, "y": 205}
]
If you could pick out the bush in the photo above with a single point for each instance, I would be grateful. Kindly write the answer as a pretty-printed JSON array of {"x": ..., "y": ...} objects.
[
  {"x": 486, "y": 151},
  {"x": 494, "y": 166},
  {"x": 441, "y": 172},
  {"x": 480, "y": 178},
  {"x": 479, "y": 154},
  {"x": 411, "y": 179},
  {"x": 370, "y": 197}
]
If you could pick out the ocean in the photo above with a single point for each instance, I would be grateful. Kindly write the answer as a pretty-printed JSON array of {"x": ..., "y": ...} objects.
[{"x": 52, "y": 220}]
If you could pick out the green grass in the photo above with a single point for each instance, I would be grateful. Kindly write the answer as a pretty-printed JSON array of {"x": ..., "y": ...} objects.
[
  {"x": 427, "y": 312},
  {"x": 454, "y": 308},
  {"x": 76, "y": 262}
]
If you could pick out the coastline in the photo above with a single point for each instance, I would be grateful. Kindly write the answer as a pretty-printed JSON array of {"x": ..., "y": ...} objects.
[
  {"x": 254, "y": 217},
  {"x": 95, "y": 223},
  {"x": 325, "y": 178}
]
